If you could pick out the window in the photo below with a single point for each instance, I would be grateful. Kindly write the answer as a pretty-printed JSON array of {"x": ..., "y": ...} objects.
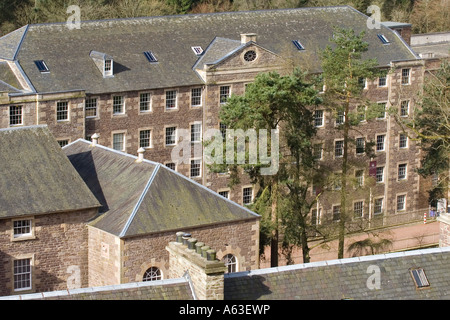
[
  {"x": 379, "y": 176},
  {"x": 337, "y": 183},
  {"x": 382, "y": 110},
  {"x": 247, "y": 195},
  {"x": 318, "y": 118},
  {"x": 118, "y": 105},
  {"x": 15, "y": 115},
  {"x": 171, "y": 136},
  {"x": 336, "y": 213},
  {"x": 225, "y": 194},
  {"x": 404, "y": 108},
  {"x": 145, "y": 138},
  {"x": 196, "y": 97},
  {"x": 90, "y": 108},
  {"x": 338, "y": 148},
  {"x": 405, "y": 76},
  {"x": 152, "y": 274},
  {"x": 171, "y": 99},
  {"x": 378, "y": 206},
  {"x": 108, "y": 67},
  {"x": 171, "y": 165},
  {"x": 223, "y": 130},
  {"x": 196, "y": 168},
  {"x": 63, "y": 143},
  {"x": 230, "y": 262},
  {"x": 22, "y": 228},
  {"x": 358, "y": 208},
  {"x": 361, "y": 113},
  {"x": 145, "y": 102},
  {"x": 62, "y": 111},
  {"x": 197, "y": 50},
  {"x": 224, "y": 94},
  {"x": 196, "y": 132},
  {"x": 380, "y": 142},
  {"x": 22, "y": 274},
  {"x": 383, "y": 39},
  {"x": 419, "y": 277},
  {"x": 42, "y": 66},
  {"x": 250, "y": 56},
  {"x": 150, "y": 56},
  {"x": 382, "y": 81},
  {"x": 359, "y": 176},
  {"x": 315, "y": 217},
  {"x": 403, "y": 141},
  {"x": 340, "y": 118},
  {"x": 401, "y": 202},
  {"x": 317, "y": 151},
  {"x": 402, "y": 171},
  {"x": 119, "y": 141},
  {"x": 362, "y": 82},
  {"x": 360, "y": 145},
  {"x": 298, "y": 45}
]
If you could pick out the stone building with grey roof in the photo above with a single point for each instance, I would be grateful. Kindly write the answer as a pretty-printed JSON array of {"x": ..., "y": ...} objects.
[
  {"x": 87, "y": 215},
  {"x": 140, "y": 82}
]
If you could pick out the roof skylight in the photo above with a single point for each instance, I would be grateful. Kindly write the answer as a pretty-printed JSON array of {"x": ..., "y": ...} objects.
[
  {"x": 41, "y": 65},
  {"x": 419, "y": 277},
  {"x": 383, "y": 39},
  {"x": 150, "y": 56},
  {"x": 197, "y": 50},
  {"x": 298, "y": 45}
]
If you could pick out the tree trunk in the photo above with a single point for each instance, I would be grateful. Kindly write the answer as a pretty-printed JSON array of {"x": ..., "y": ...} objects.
[{"x": 275, "y": 235}]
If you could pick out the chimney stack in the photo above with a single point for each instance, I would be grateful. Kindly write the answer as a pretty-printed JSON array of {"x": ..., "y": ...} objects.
[
  {"x": 140, "y": 154},
  {"x": 206, "y": 273},
  {"x": 246, "y": 37},
  {"x": 94, "y": 138}
]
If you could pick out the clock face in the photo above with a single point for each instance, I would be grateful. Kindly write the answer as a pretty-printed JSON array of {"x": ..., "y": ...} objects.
[{"x": 250, "y": 55}]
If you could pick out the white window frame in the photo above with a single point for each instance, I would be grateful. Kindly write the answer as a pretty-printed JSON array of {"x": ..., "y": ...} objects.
[
  {"x": 319, "y": 118},
  {"x": 383, "y": 144},
  {"x": 114, "y": 134},
  {"x": 341, "y": 148},
  {"x": 196, "y": 162},
  {"x": 403, "y": 202},
  {"x": 358, "y": 205},
  {"x": 231, "y": 263},
  {"x": 152, "y": 274},
  {"x": 199, "y": 97},
  {"x": 121, "y": 105},
  {"x": 404, "y": 108},
  {"x": 145, "y": 105},
  {"x": 108, "y": 67},
  {"x": 402, "y": 171},
  {"x": 359, "y": 176},
  {"x": 196, "y": 132},
  {"x": 376, "y": 206},
  {"x": 403, "y": 141},
  {"x": 221, "y": 191},
  {"x": 149, "y": 138},
  {"x": 363, "y": 139},
  {"x": 378, "y": 175},
  {"x": 223, "y": 96},
  {"x": 89, "y": 106},
  {"x": 20, "y": 225},
  {"x": 22, "y": 274},
  {"x": 245, "y": 196},
  {"x": 384, "y": 112},
  {"x": 408, "y": 77},
  {"x": 62, "y": 112},
  {"x": 171, "y": 95},
  {"x": 175, "y": 133}
]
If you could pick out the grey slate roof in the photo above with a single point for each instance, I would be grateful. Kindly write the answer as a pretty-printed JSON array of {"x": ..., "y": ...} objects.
[
  {"x": 37, "y": 177},
  {"x": 170, "y": 38},
  {"x": 146, "y": 197},
  {"x": 171, "y": 289},
  {"x": 347, "y": 279}
]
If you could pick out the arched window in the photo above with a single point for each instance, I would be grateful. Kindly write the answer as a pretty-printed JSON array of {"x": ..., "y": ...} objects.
[
  {"x": 230, "y": 262},
  {"x": 152, "y": 274}
]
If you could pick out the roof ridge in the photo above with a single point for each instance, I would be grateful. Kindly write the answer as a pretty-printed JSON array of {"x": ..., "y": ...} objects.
[{"x": 141, "y": 198}]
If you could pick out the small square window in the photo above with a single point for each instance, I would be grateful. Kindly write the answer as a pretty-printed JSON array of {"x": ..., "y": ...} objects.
[
  {"x": 62, "y": 111},
  {"x": 382, "y": 81},
  {"x": 63, "y": 143},
  {"x": 225, "y": 194},
  {"x": 22, "y": 228}
]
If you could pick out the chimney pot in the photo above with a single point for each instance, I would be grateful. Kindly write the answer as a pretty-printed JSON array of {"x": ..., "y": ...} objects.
[
  {"x": 211, "y": 255},
  {"x": 204, "y": 249},
  {"x": 191, "y": 243},
  {"x": 186, "y": 237},
  {"x": 198, "y": 247},
  {"x": 140, "y": 154},
  {"x": 180, "y": 236},
  {"x": 94, "y": 138}
]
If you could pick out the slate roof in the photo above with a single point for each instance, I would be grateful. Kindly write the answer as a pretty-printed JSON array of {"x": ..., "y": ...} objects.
[
  {"x": 170, "y": 38},
  {"x": 147, "y": 197},
  {"x": 171, "y": 289},
  {"x": 347, "y": 279},
  {"x": 37, "y": 177}
]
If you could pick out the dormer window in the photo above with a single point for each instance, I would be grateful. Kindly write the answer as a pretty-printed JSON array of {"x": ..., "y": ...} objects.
[
  {"x": 103, "y": 62},
  {"x": 108, "y": 67}
]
